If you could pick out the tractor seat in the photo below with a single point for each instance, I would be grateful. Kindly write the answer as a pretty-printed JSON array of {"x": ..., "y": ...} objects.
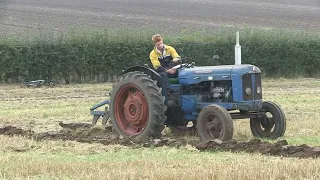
[{"x": 173, "y": 81}]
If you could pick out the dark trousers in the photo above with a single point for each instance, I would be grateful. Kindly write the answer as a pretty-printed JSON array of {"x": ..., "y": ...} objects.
[
  {"x": 165, "y": 86},
  {"x": 165, "y": 76}
]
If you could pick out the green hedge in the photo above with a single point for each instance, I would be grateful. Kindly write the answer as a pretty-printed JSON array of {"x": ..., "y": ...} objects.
[{"x": 85, "y": 57}]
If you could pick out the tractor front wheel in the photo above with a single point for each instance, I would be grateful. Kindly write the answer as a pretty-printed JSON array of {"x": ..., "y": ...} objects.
[
  {"x": 137, "y": 107},
  {"x": 270, "y": 124},
  {"x": 214, "y": 122}
]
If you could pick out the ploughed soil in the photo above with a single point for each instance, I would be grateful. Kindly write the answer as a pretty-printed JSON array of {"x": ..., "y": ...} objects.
[{"x": 88, "y": 133}]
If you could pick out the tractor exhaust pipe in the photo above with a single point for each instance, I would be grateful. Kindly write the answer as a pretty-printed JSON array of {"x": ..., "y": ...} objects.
[{"x": 237, "y": 50}]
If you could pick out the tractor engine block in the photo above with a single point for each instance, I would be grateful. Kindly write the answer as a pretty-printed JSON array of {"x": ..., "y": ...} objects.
[{"x": 210, "y": 91}]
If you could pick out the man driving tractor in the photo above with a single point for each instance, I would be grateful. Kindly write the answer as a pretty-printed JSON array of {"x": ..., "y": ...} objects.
[{"x": 162, "y": 58}]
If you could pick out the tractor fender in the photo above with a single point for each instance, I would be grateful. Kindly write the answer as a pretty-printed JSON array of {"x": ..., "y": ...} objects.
[{"x": 150, "y": 72}]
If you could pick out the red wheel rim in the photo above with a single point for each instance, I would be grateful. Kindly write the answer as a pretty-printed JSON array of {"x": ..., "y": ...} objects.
[{"x": 131, "y": 110}]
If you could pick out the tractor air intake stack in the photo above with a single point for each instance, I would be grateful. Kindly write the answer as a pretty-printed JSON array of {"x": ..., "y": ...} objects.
[{"x": 237, "y": 50}]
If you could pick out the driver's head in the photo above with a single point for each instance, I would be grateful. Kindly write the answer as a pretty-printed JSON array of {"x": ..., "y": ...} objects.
[{"x": 157, "y": 41}]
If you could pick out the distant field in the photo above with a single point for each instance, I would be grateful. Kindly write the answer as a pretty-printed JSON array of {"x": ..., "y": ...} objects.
[
  {"x": 41, "y": 109},
  {"x": 21, "y": 17}
]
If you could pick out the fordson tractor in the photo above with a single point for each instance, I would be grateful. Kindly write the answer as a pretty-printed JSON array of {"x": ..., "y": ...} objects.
[{"x": 210, "y": 97}]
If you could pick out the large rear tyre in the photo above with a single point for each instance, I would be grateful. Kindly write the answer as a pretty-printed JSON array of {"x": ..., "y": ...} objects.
[
  {"x": 271, "y": 123},
  {"x": 137, "y": 107},
  {"x": 214, "y": 122}
]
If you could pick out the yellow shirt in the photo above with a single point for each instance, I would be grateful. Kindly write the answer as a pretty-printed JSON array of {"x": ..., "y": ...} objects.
[{"x": 161, "y": 61}]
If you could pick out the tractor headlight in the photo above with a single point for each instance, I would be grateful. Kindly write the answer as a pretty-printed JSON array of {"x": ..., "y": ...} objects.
[
  {"x": 258, "y": 90},
  {"x": 248, "y": 91}
]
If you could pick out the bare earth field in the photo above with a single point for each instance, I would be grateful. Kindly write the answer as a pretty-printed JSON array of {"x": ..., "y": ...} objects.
[
  {"x": 35, "y": 146},
  {"x": 23, "y": 17}
]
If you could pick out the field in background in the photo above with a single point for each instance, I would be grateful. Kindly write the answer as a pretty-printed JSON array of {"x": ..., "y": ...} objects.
[{"x": 41, "y": 109}]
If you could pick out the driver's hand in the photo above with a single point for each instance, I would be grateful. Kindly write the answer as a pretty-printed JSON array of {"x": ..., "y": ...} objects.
[
  {"x": 176, "y": 60},
  {"x": 171, "y": 71}
]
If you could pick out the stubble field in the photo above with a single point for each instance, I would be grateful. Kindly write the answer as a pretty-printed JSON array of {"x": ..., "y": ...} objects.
[{"x": 41, "y": 109}]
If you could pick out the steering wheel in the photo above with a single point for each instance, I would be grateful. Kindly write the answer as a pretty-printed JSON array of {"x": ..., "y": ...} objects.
[{"x": 184, "y": 63}]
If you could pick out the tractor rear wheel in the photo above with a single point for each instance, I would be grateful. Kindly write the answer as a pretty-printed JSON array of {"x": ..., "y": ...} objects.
[
  {"x": 214, "y": 122},
  {"x": 272, "y": 123},
  {"x": 137, "y": 107}
]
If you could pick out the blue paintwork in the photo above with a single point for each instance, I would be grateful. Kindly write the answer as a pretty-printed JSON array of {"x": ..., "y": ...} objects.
[
  {"x": 175, "y": 87},
  {"x": 218, "y": 73},
  {"x": 236, "y": 76},
  {"x": 196, "y": 75},
  {"x": 191, "y": 105},
  {"x": 98, "y": 113}
]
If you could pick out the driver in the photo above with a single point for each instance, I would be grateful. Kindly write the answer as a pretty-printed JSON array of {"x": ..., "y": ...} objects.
[{"x": 162, "y": 57}]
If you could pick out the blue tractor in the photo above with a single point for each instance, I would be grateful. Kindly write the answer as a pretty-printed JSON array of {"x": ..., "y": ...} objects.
[{"x": 210, "y": 97}]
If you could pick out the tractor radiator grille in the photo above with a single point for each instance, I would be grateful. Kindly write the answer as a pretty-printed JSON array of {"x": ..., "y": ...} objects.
[
  {"x": 257, "y": 83},
  {"x": 247, "y": 82}
]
